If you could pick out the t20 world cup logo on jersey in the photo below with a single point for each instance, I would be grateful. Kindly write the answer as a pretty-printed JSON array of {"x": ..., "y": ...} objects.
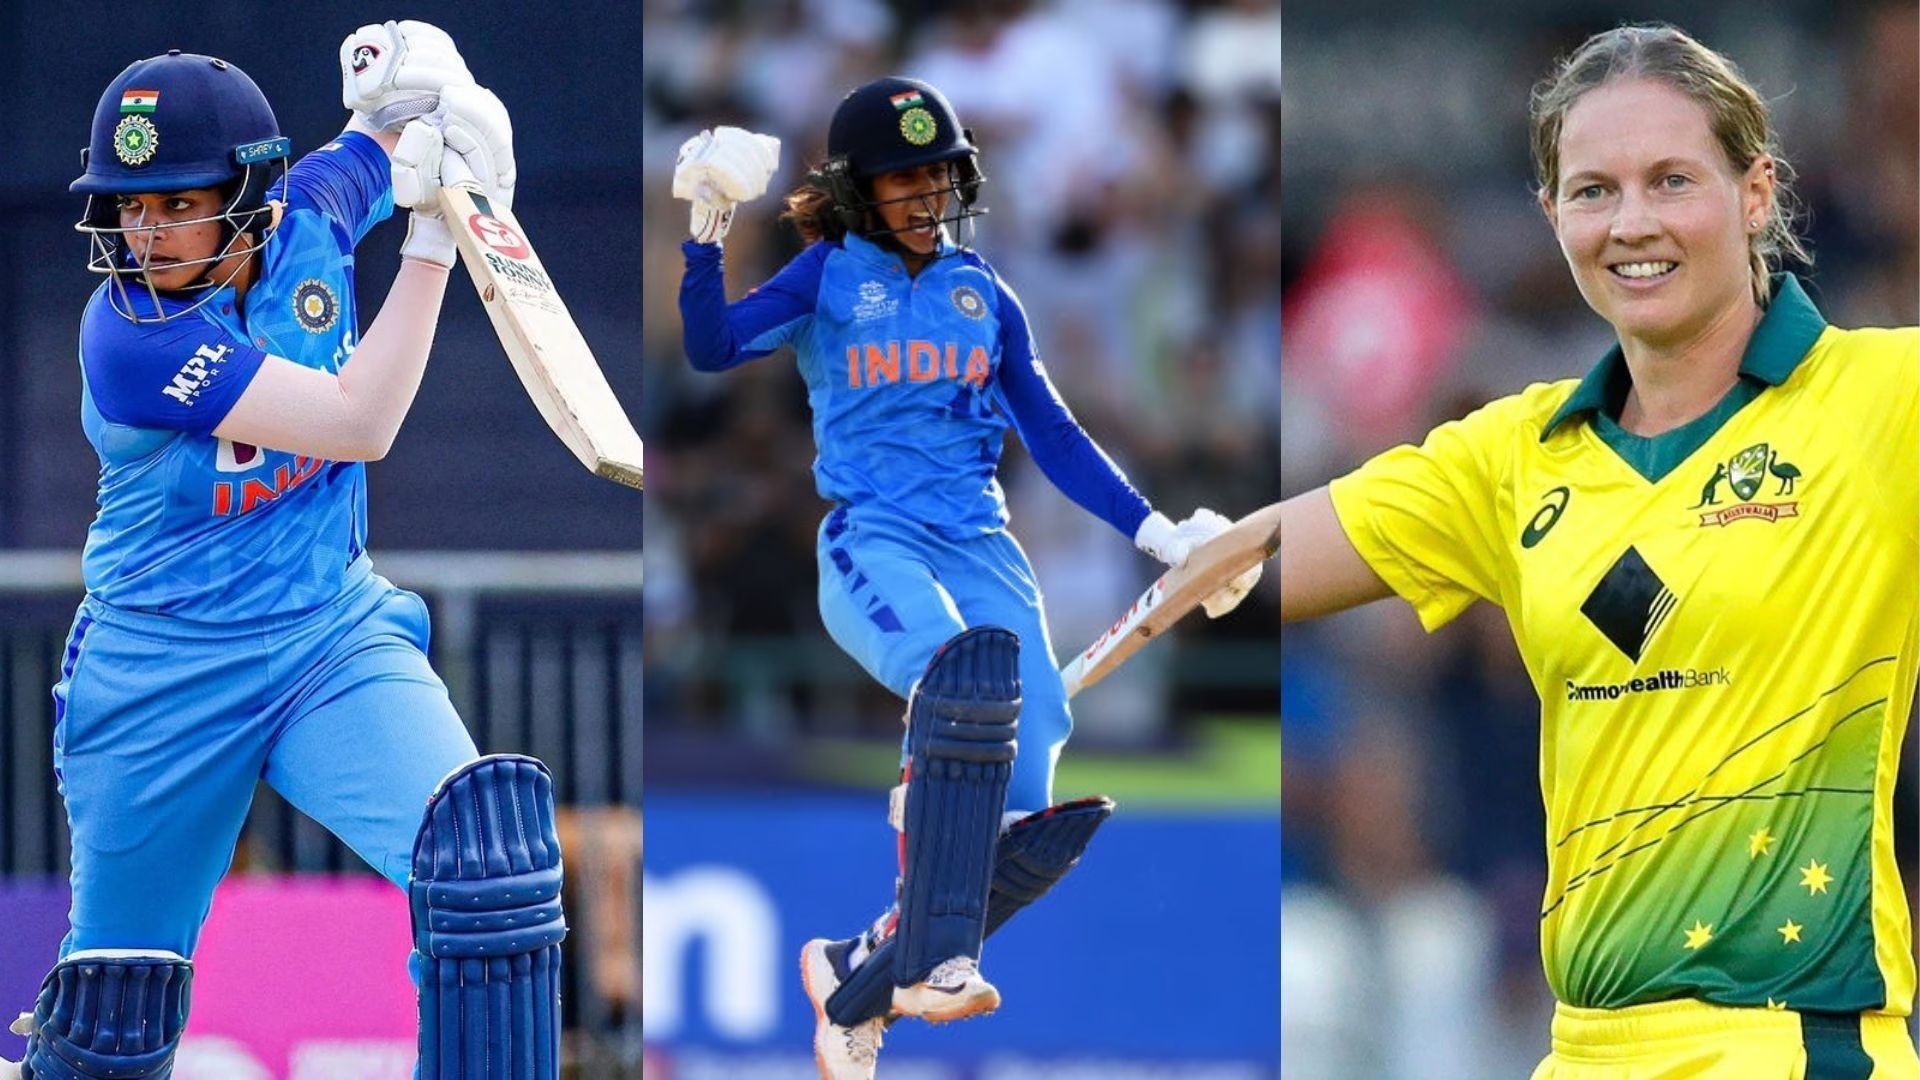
[
  {"x": 873, "y": 302},
  {"x": 1746, "y": 474}
]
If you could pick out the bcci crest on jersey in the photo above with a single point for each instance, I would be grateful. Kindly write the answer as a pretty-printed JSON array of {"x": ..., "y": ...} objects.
[
  {"x": 314, "y": 306},
  {"x": 1746, "y": 474}
]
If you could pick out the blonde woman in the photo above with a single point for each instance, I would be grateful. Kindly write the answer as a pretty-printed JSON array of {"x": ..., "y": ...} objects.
[{"x": 1707, "y": 550}]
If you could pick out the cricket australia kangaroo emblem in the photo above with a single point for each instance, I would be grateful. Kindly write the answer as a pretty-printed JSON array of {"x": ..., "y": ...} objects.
[{"x": 1746, "y": 474}]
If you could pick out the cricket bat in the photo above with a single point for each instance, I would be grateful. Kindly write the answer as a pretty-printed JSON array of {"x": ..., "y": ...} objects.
[
  {"x": 1244, "y": 545},
  {"x": 546, "y": 348}
]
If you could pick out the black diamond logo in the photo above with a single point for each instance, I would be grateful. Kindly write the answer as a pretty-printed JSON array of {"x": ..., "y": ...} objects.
[{"x": 1630, "y": 603}]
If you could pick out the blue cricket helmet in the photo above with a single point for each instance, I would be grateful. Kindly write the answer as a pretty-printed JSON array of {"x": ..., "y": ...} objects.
[
  {"x": 895, "y": 123},
  {"x": 175, "y": 122}
]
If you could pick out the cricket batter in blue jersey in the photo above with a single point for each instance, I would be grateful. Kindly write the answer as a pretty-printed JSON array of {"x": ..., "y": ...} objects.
[
  {"x": 917, "y": 359},
  {"x": 234, "y": 629}
]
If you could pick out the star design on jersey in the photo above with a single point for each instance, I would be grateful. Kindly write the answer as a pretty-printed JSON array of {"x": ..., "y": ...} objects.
[
  {"x": 1790, "y": 933},
  {"x": 1815, "y": 877},
  {"x": 1699, "y": 935},
  {"x": 1760, "y": 843}
]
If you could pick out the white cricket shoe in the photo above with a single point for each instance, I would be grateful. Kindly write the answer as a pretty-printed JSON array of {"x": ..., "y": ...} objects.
[
  {"x": 953, "y": 990},
  {"x": 842, "y": 1053},
  {"x": 11, "y": 1070}
]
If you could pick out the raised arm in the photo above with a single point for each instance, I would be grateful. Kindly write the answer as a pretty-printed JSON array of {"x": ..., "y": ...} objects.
[
  {"x": 354, "y": 416},
  {"x": 1320, "y": 572}
]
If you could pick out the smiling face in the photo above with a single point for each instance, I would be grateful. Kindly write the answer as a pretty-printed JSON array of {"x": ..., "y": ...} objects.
[
  {"x": 912, "y": 201},
  {"x": 163, "y": 250},
  {"x": 1655, "y": 223}
]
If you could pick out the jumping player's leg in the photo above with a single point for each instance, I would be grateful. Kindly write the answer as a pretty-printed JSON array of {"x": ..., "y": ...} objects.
[
  {"x": 883, "y": 603},
  {"x": 995, "y": 586},
  {"x": 992, "y": 583}
]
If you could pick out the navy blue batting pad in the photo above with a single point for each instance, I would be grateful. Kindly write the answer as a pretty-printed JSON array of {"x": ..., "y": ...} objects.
[
  {"x": 487, "y": 924},
  {"x": 960, "y": 746},
  {"x": 1038, "y": 850},
  {"x": 109, "y": 1016},
  {"x": 1030, "y": 858}
]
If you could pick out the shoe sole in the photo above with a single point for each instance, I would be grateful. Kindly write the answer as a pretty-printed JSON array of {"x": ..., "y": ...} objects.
[
  {"x": 966, "y": 1009},
  {"x": 819, "y": 1010}
]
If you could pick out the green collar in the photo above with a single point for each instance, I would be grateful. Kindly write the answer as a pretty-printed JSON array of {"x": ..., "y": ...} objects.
[{"x": 1786, "y": 332}]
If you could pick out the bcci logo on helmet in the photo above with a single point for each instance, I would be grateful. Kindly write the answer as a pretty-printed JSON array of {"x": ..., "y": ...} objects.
[
  {"x": 135, "y": 140},
  {"x": 917, "y": 126},
  {"x": 1746, "y": 473}
]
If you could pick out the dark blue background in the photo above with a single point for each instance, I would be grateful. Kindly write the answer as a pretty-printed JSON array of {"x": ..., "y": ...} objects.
[{"x": 473, "y": 444}]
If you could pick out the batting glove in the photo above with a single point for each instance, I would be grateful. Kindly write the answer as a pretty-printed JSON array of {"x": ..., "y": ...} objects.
[
  {"x": 1157, "y": 537},
  {"x": 1199, "y": 527},
  {"x": 468, "y": 136},
  {"x": 416, "y": 160},
  {"x": 392, "y": 72},
  {"x": 718, "y": 169}
]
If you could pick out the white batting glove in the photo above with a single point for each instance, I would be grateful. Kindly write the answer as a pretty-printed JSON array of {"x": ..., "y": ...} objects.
[
  {"x": 719, "y": 169},
  {"x": 392, "y": 72},
  {"x": 1199, "y": 527},
  {"x": 416, "y": 161},
  {"x": 479, "y": 134},
  {"x": 1157, "y": 537},
  {"x": 467, "y": 136}
]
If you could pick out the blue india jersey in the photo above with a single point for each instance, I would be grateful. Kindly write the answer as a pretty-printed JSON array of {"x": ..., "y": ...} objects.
[
  {"x": 208, "y": 529},
  {"x": 913, "y": 381}
]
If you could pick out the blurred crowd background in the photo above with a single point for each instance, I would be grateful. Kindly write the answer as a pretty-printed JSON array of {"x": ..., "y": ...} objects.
[
  {"x": 1421, "y": 281},
  {"x": 1131, "y": 149},
  {"x": 1132, "y": 156}
]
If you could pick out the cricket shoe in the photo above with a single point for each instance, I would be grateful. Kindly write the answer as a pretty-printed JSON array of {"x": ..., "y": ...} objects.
[
  {"x": 12, "y": 1070},
  {"x": 953, "y": 990},
  {"x": 842, "y": 1053}
]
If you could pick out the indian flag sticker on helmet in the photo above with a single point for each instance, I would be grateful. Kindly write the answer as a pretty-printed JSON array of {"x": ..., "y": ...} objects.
[
  {"x": 139, "y": 101},
  {"x": 135, "y": 140},
  {"x": 905, "y": 99},
  {"x": 917, "y": 126}
]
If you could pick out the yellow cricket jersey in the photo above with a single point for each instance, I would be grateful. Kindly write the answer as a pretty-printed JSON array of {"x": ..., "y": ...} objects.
[{"x": 1721, "y": 625}]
